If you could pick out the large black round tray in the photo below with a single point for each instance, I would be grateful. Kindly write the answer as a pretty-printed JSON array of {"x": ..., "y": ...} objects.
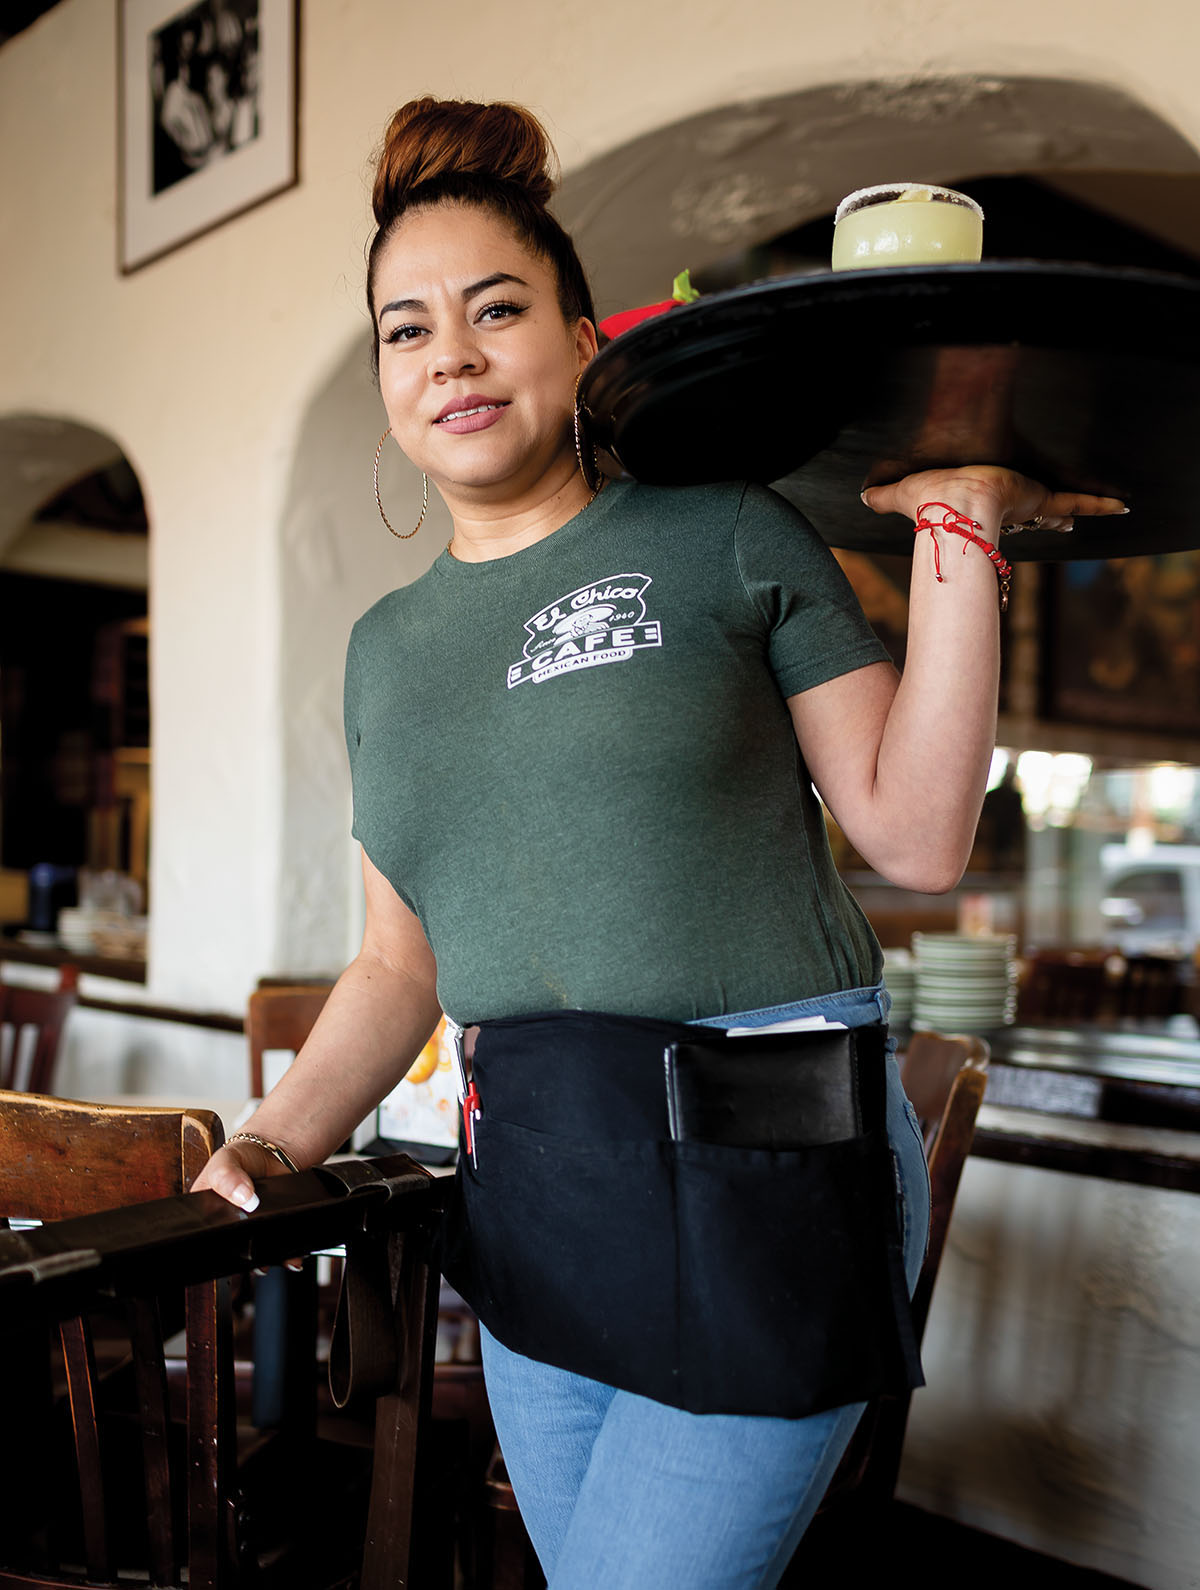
[{"x": 1085, "y": 377}]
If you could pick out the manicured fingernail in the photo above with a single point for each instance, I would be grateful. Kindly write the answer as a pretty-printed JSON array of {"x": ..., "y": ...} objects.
[
  {"x": 863, "y": 497},
  {"x": 1124, "y": 510},
  {"x": 247, "y": 1200}
]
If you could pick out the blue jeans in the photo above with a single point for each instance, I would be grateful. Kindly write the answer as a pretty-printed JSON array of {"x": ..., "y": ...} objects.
[{"x": 619, "y": 1491}]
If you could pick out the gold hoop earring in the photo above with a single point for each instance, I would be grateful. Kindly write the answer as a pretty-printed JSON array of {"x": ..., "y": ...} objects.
[
  {"x": 399, "y": 535},
  {"x": 591, "y": 481}
]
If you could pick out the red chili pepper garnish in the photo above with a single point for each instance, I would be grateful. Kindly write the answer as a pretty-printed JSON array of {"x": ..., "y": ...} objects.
[{"x": 683, "y": 293}]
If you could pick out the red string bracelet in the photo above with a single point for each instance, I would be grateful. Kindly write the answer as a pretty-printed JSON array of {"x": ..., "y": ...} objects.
[{"x": 959, "y": 525}]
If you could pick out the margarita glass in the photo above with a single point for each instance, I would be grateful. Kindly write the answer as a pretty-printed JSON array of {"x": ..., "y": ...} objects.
[{"x": 906, "y": 223}]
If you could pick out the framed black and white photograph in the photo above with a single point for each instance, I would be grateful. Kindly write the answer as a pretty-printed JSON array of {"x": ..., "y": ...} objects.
[{"x": 208, "y": 109}]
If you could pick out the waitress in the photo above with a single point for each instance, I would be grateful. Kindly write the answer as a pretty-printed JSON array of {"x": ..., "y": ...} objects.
[{"x": 584, "y": 747}]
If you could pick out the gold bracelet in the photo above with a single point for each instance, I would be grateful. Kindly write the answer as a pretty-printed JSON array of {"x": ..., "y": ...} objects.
[{"x": 271, "y": 1148}]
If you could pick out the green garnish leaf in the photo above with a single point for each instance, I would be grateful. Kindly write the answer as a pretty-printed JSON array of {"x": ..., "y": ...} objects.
[{"x": 682, "y": 290}]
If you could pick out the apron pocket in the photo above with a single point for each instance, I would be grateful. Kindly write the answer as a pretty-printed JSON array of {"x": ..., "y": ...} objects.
[
  {"x": 786, "y": 1277},
  {"x": 570, "y": 1257}
]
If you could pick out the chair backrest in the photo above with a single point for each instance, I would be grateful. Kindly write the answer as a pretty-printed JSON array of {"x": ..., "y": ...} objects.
[
  {"x": 31, "y": 1031},
  {"x": 1065, "y": 984},
  {"x": 60, "y": 1159},
  {"x": 1099, "y": 984},
  {"x": 1149, "y": 985},
  {"x": 280, "y": 1018},
  {"x": 945, "y": 1077}
]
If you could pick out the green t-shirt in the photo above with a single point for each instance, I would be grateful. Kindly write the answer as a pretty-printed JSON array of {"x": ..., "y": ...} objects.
[{"x": 577, "y": 766}]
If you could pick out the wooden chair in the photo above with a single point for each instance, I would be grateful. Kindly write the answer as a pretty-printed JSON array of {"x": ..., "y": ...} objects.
[
  {"x": 59, "y": 1159},
  {"x": 207, "y": 1505},
  {"x": 1149, "y": 985},
  {"x": 945, "y": 1077},
  {"x": 1099, "y": 985},
  {"x": 31, "y": 1031},
  {"x": 279, "y": 1017},
  {"x": 1065, "y": 985}
]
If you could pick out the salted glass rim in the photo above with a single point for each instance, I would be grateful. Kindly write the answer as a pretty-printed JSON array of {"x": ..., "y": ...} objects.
[{"x": 882, "y": 191}]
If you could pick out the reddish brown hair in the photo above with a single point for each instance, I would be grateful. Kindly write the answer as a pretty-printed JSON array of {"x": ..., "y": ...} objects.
[{"x": 495, "y": 156}]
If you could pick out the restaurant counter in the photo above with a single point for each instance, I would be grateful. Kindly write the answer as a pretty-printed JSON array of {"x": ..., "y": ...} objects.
[{"x": 1062, "y": 1405}]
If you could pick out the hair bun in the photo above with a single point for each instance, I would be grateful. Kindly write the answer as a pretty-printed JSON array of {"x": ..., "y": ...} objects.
[{"x": 431, "y": 139}]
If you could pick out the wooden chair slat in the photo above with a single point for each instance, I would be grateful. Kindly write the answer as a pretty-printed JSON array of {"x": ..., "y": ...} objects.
[
  {"x": 80, "y": 1367},
  {"x": 415, "y": 1313},
  {"x": 150, "y": 1378},
  {"x": 211, "y": 1436}
]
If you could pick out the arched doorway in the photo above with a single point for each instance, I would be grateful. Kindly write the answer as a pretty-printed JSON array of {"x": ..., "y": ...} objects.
[{"x": 74, "y": 670}]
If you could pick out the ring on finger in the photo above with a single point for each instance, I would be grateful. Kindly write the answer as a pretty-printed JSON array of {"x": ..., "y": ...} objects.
[{"x": 1026, "y": 524}]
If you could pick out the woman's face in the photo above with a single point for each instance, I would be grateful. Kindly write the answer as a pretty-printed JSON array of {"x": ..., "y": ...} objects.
[{"x": 477, "y": 366}]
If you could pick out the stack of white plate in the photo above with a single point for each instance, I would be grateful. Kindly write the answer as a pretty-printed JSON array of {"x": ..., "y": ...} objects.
[
  {"x": 76, "y": 926},
  {"x": 900, "y": 980},
  {"x": 964, "y": 984}
]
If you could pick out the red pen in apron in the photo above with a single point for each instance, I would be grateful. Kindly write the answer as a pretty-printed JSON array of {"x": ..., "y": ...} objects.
[{"x": 467, "y": 1091}]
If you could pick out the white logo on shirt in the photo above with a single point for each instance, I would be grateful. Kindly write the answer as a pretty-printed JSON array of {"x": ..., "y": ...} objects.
[{"x": 600, "y": 623}]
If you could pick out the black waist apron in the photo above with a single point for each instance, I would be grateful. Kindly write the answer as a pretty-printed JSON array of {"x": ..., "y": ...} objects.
[{"x": 707, "y": 1221}]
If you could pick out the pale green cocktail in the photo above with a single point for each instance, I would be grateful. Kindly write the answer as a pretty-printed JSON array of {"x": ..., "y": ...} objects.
[{"x": 906, "y": 223}]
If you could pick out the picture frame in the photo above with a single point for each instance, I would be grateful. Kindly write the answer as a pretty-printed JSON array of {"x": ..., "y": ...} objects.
[
  {"x": 208, "y": 107},
  {"x": 1121, "y": 645}
]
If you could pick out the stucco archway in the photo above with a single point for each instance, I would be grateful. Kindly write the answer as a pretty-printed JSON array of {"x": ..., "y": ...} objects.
[
  {"x": 40, "y": 455},
  {"x": 733, "y": 176}
]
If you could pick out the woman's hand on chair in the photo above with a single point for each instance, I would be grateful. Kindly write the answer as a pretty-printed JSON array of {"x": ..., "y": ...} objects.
[{"x": 233, "y": 1170}]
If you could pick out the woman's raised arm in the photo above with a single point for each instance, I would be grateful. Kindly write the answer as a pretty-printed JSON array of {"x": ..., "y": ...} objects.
[
  {"x": 902, "y": 762},
  {"x": 375, "y": 1022}
]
